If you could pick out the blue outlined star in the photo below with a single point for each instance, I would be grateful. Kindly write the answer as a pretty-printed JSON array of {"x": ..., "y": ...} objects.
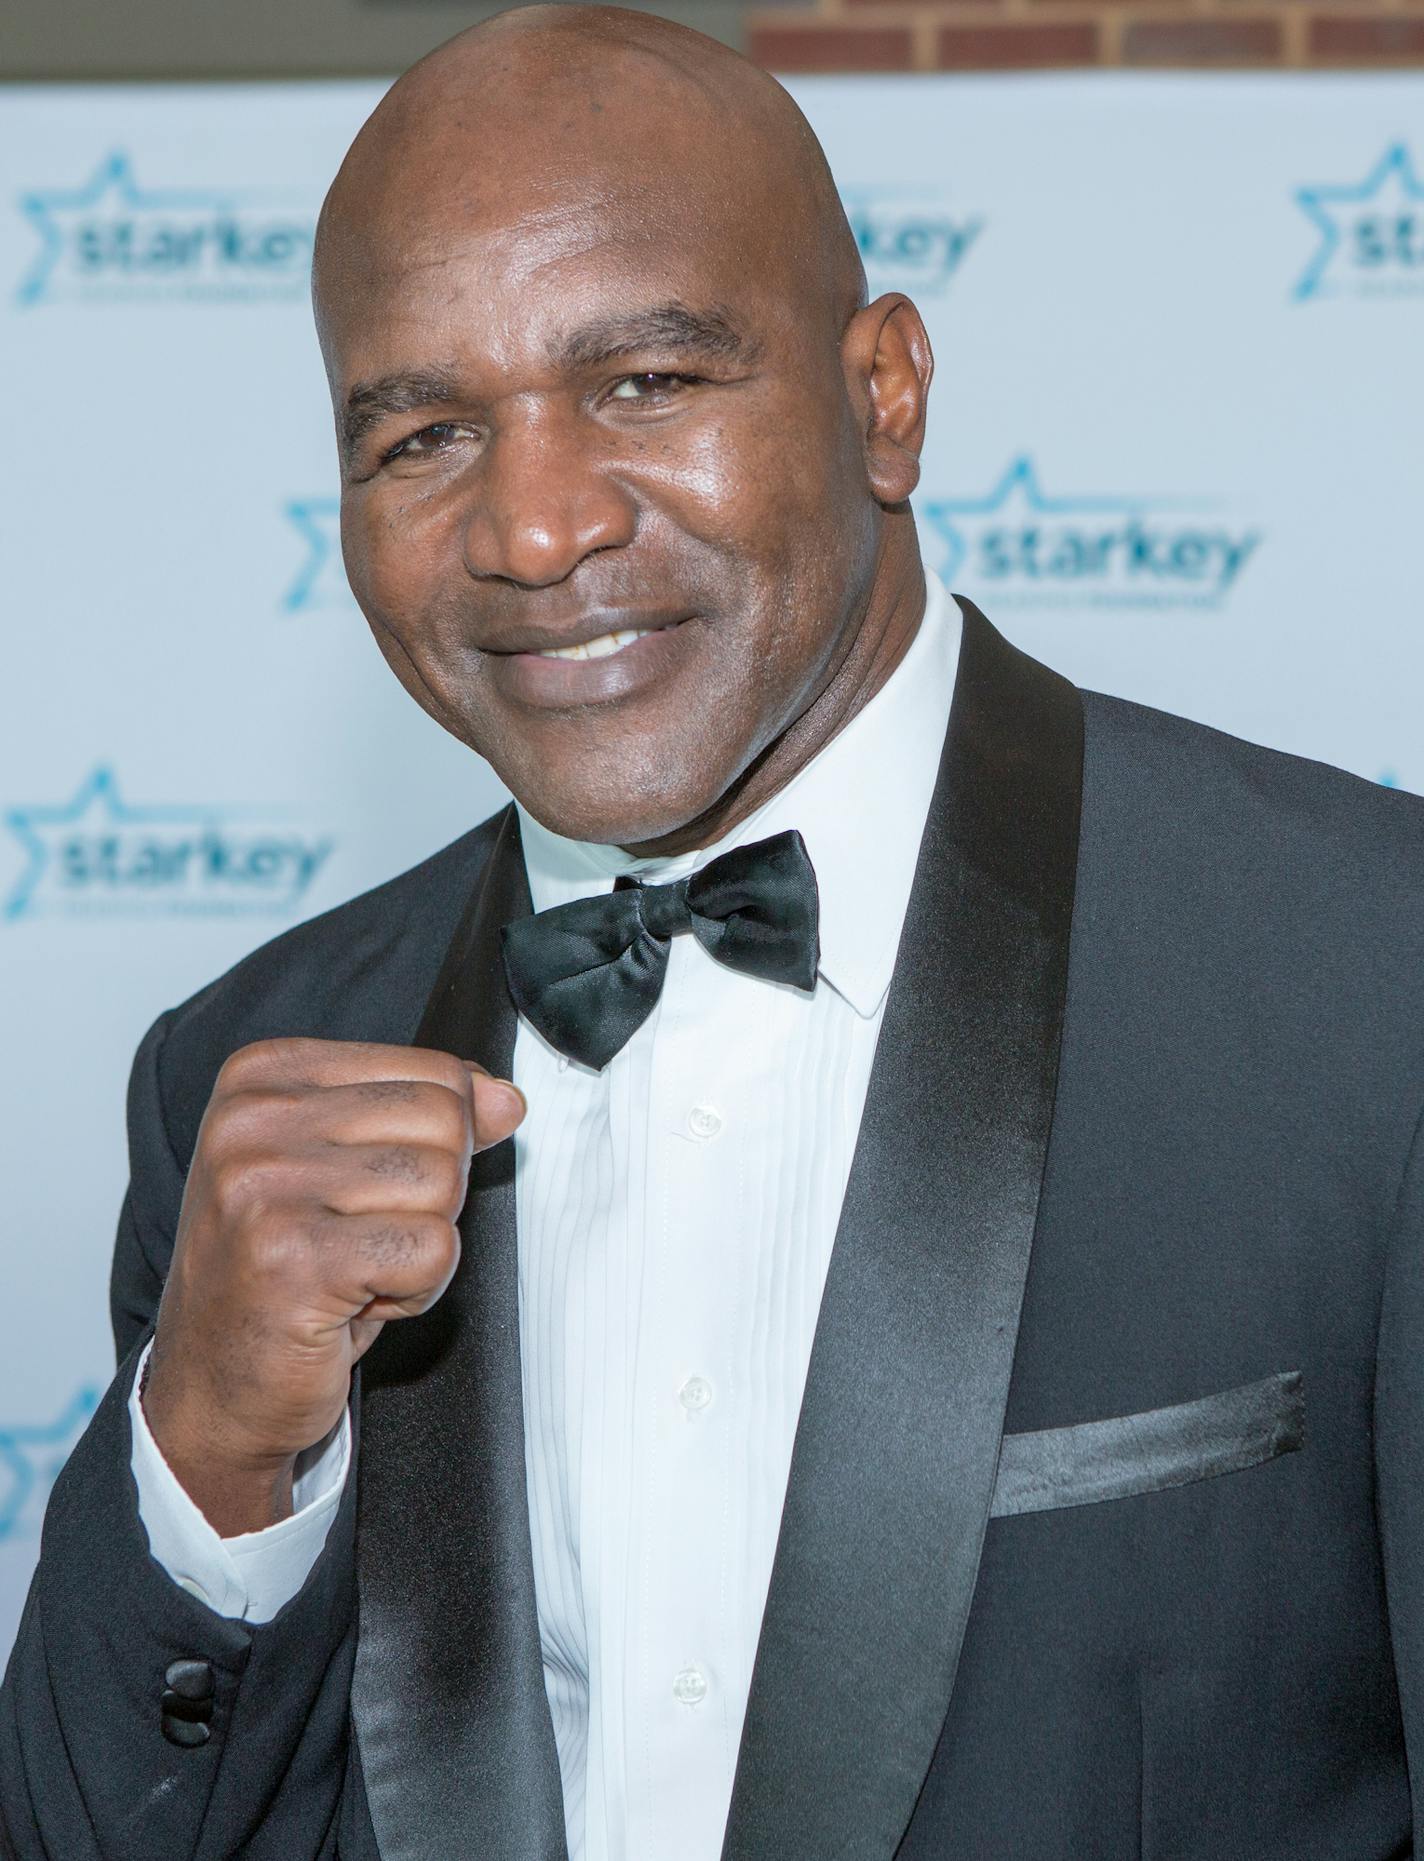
[
  {"x": 1018, "y": 489},
  {"x": 31, "y": 1456},
  {"x": 113, "y": 180},
  {"x": 97, "y": 798},
  {"x": 321, "y": 579},
  {"x": 1317, "y": 202}
]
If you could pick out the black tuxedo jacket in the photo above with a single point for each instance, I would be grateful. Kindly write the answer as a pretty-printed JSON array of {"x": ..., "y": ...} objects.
[{"x": 1105, "y": 1527}]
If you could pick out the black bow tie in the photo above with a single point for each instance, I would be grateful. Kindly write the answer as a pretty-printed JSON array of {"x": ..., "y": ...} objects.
[{"x": 589, "y": 974}]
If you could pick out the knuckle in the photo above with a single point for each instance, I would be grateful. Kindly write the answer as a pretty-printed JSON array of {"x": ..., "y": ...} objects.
[
  {"x": 447, "y": 1071},
  {"x": 449, "y": 1121},
  {"x": 447, "y": 1246},
  {"x": 437, "y": 1172},
  {"x": 243, "y": 1177},
  {"x": 401, "y": 1163},
  {"x": 410, "y": 1243},
  {"x": 392, "y": 1244},
  {"x": 447, "y": 1178},
  {"x": 277, "y": 1244},
  {"x": 390, "y": 1091},
  {"x": 243, "y": 1068},
  {"x": 283, "y": 1057},
  {"x": 440, "y": 1245},
  {"x": 244, "y": 1114}
]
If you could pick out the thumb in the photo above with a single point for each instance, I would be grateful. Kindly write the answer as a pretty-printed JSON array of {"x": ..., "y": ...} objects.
[{"x": 499, "y": 1106}]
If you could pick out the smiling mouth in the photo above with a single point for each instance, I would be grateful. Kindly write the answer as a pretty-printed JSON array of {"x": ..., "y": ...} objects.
[
  {"x": 609, "y": 667},
  {"x": 602, "y": 648}
]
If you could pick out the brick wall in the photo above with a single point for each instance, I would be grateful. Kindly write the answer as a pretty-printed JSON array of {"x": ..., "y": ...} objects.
[{"x": 1016, "y": 35}]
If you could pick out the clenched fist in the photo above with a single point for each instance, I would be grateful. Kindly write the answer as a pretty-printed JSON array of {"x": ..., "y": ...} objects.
[{"x": 321, "y": 1202}]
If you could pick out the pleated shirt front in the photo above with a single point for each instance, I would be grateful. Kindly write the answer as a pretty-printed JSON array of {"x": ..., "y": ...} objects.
[{"x": 676, "y": 1215}]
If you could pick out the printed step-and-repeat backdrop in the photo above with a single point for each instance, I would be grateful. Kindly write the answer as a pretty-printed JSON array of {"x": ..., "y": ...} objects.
[{"x": 1175, "y": 451}]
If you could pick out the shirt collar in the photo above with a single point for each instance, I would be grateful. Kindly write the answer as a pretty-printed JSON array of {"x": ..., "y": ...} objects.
[{"x": 860, "y": 806}]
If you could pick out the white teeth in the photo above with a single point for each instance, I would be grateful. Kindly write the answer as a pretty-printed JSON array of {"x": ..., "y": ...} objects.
[{"x": 600, "y": 648}]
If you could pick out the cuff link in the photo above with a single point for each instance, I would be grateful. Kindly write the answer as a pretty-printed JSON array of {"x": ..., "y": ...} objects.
[{"x": 188, "y": 1703}]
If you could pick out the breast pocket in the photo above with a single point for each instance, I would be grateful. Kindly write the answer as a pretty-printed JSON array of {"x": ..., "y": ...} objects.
[{"x": 1150, "y": 1452}]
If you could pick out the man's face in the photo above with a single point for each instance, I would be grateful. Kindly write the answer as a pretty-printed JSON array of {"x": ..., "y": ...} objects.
[{"x": 585, "y": 415}]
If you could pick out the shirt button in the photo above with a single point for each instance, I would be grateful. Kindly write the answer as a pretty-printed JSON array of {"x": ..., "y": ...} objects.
[
  {"x": 704, "y": 1121},
  {"x": 690, "y": 1687},
  {"x": 695, "y": 1394}
]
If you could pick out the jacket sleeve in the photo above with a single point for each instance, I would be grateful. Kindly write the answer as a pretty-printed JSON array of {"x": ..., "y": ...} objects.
[
  {"x": 1399, "y": 1458},
  {"x": 135, "y": 1722}
]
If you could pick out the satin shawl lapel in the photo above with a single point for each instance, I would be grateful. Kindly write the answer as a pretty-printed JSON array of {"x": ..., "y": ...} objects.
[
  {"x": 898, "y": 1441},
  {"x": 456, "y": 1744}
]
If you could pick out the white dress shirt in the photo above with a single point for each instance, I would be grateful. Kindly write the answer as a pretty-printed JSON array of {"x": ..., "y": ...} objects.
[{"x": 676, "y": 1214}]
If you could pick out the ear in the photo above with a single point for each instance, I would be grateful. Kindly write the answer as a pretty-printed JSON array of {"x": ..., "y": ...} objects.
[{"x": 888, "y": 366}]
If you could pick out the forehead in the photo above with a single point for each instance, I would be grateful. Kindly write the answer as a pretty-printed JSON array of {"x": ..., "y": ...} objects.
[{"x": 508, "y": 269}]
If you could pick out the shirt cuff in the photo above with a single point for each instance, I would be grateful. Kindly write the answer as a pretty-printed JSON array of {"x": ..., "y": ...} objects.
[{"x": 251, "y": 1577}]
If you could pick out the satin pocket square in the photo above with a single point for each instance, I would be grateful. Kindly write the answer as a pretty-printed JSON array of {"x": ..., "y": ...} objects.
[{"x": 1148, "y": 1453}]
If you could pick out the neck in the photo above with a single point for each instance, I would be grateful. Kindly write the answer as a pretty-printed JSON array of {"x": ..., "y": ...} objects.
[{"x": 877, "y": 646}]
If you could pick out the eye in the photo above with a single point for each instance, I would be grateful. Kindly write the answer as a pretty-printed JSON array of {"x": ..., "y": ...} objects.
[
  {"x": 436, "y": 437},
  {"x": 650, "y": 387}
]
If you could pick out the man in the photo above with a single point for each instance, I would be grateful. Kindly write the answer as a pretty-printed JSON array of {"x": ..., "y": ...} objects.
[{"x": 912, "y": 1386}]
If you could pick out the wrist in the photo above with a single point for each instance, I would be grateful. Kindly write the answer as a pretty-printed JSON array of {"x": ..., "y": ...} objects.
[{"x": 236, "y": 1490}]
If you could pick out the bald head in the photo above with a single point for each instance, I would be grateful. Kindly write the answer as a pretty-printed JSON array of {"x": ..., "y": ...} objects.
[
  {"x": 625, "y": 452},
  {"x": 557, "y": 106}
]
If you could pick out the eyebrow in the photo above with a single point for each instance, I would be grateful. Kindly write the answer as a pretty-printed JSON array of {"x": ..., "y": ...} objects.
[
  {"x": 405, "y": 392},
  {"x": 671, "y": 329}
]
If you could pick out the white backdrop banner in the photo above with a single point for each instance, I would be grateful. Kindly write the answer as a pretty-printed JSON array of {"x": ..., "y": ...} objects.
[{"x": 1174, "y": 451}]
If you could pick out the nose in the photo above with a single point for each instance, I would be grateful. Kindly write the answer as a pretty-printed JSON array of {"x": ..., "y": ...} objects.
[{"x": 546, "y": 498}]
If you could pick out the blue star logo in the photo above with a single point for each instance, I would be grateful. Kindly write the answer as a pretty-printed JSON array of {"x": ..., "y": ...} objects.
[
  {"x": 96, "y": 801},
  {"x": 1017, "y": 492},
  {"x": 112, "y": 239},
  {"x": 1391, "y": 187},
  {"x": 1097, "y": 551},
  {"x": 320, "y": 581},
  {"x": 98, "y": 853},
  {"x": 30, "y": 1459},
  {"x": 50, "y": 209}
]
